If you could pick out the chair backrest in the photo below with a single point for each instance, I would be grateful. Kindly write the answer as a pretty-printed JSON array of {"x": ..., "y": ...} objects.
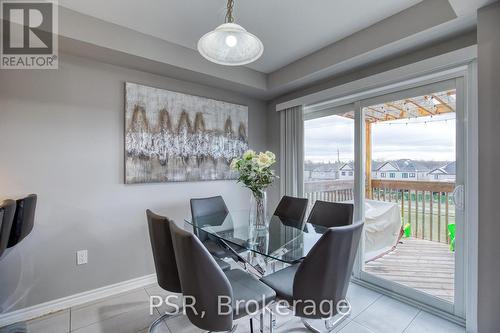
[
  {"x": 292, "y": 211},
  {"x": 205, "y": 211},
  {"x": 7, "y": 211},
  {"x": 331, "y": 214},
  {"x": 163, "y": 252},
  {"x": 324, "y": 274},
  {"x": 24, "y": 219},
  {"x": 202, "y": 280}
]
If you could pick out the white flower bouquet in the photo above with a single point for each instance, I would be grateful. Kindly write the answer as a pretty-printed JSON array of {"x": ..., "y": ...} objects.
[
  {"x": 255, "y": 170},
  {"x": 255, "y": 173}
]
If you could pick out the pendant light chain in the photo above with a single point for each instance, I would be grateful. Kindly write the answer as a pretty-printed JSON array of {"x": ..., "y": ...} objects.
[{"x": 229, "y": 14}]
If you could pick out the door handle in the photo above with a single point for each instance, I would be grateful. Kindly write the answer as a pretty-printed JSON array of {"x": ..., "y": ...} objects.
[{"x": 458, "y": 197}]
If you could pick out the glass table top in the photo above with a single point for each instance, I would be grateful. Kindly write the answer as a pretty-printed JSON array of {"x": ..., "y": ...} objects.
[{"x": 279, "y": 241}]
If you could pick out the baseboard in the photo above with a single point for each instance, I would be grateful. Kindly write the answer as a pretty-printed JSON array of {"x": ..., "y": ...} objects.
[{"x": 74, "y": 300}]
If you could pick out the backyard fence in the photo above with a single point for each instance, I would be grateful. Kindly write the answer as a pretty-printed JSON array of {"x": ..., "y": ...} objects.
[{"x": 426, "y": 206}]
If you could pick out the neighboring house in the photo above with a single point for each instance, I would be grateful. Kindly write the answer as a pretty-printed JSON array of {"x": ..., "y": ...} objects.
[
  {"x": 327, "y": 171},
  {"x": 346, "y": 171},
  {"x": 444, "y": 173},
  {"x": 401, "y": 170}
]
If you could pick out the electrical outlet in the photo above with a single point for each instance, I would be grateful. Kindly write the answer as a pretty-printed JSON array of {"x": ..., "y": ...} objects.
[{"x": 82, "y": 257}]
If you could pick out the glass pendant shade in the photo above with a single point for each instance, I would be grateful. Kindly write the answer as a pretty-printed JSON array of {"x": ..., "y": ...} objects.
[{"x": 231, "y": 45}]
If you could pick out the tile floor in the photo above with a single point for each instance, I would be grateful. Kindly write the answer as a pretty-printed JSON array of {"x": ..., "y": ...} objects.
[{"x": 129, "y": 313}]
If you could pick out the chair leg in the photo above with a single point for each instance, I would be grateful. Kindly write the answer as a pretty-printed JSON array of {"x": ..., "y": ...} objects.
[
  {"x": 251, "y": 325},
  {"x": 261, "y": 322},
  {"x": 160, "y": 319}
]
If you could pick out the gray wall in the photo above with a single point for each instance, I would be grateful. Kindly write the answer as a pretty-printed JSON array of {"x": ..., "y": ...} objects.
[
  {"x": 489, "y": 159},
  {"x": 61, "y": 135}
]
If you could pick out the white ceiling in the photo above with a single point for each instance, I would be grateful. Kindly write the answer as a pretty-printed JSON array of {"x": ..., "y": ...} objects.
[{"x": 289, "y": 29}]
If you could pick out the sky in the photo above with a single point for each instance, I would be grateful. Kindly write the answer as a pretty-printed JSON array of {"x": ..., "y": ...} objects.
[{"x": 424, "y": 138}]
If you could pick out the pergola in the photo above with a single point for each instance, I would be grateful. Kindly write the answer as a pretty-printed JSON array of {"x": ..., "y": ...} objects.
[{"x": 410, "y": 108}]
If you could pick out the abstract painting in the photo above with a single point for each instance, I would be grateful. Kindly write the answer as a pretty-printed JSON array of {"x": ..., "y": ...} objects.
[{"x": 171, "y": 136}]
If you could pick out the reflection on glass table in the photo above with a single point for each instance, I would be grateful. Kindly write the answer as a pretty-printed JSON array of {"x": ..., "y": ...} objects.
[{"x": 279, "y": 241}]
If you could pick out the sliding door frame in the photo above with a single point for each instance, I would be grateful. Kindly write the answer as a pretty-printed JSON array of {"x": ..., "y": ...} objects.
[
  {"x": 465, "y": 73},
  {"x": 458, "y": 307}
]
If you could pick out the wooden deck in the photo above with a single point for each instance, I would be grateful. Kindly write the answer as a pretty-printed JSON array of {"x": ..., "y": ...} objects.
[{"x": 424, "y": 265}]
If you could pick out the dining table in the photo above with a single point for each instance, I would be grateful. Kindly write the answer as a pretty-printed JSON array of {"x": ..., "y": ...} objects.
[{"x": 280, "y": 241}]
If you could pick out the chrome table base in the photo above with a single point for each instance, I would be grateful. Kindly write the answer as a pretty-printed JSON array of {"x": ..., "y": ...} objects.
[{"x": 330, "y": 324}]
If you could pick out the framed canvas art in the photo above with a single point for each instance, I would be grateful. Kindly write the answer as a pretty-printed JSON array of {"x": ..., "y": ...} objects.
[{"x": 171, "y": 136}]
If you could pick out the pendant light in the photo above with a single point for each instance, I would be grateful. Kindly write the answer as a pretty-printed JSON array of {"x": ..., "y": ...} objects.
[{"x": 230, "y": 44}]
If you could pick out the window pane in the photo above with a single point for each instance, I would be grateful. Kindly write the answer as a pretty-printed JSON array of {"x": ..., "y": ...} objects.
[{"x": 329, "y": 158}]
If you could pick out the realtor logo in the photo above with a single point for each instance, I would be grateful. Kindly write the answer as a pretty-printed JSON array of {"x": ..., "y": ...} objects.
[{"x": 29, "y": 35}]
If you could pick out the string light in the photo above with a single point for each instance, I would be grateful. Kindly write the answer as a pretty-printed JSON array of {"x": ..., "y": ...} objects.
[{"x": 414, "y": 122}]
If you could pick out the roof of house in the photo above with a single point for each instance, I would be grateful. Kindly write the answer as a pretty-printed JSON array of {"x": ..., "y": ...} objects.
[
  {"x": 402, "y": 165},
  {"x": 407, "y": 165},
  {"x": 376, "y": 165},
  {"x": 347, "y": 166},
  {"x": 448, "y": 169}
]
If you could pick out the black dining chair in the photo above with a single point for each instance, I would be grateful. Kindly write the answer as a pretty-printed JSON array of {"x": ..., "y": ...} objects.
[
  {"x": 292, "y": 211},
  {"x": 321, "y": 278},
  {"x": 331, "y": 214},
  {"x": 163, "y": 256},
  {"x": 158, "y": 227},
  {"x": 7, "y": 211},
  {"x": 205, "y": 283},
  {"x": 212, "y": 211},
  {"x": 24, "y": 219}
]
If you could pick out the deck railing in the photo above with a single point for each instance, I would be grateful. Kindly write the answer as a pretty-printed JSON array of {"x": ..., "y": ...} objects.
[
  {"x": 329, "y": 190},
  {"x": 426, "y": 206}
]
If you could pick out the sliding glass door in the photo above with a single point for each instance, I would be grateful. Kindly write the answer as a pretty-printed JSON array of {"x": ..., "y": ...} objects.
[
  {"x": 413, "y": 185},
  {"x": 400, "y": 158}
]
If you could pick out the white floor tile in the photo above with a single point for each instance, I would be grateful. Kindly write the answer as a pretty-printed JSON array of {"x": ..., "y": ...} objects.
[
  {"x": 94, "y": 312},
  {"x": 129, "y": 313},
  {"x": 354, "y": 327},
  {"x": 156, "y": 290},
  {"x": 53, "y": 323},
  {"x": 428, "y": 323},
  {"x": 128, "y": 322},
  {"x": 296, "y": 326},
  {"x": 160, "y": 328},
  {"x": 387, "y": 315},
  {"x": 360, "y": 298},
  {"x": 181, "y": 324}
]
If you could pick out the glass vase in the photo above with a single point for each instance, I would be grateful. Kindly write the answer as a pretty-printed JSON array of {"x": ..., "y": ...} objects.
[{"x": 258, "y": 210}]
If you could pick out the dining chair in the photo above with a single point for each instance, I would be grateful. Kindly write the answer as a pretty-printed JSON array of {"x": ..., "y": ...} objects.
[
  {"x": 331, "y": 214},
  {"x": 322, "y": 277},
  {"x": 204, "y": 282},
  {"x": 292, "y": 211},
  {"x": 24, "y": 219},
  {"x": 159, "y": 234},
  {"x": 211, "y": 211},
  {"x": 7, "y": 211},
  {"x": 163, "y": 257}
]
